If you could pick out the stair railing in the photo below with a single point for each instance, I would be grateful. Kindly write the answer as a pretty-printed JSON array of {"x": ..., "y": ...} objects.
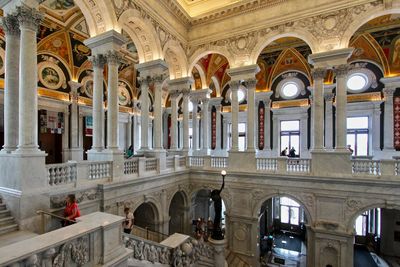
[{"x": 42, "y": 213}]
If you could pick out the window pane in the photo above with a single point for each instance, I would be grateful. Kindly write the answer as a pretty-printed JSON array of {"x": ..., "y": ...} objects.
[
  {"x": 295, "y": 142},
  {"x": 362, "y": 145},
  {"x": 359, "y": 225},
  {"x": 351, "y": 140},
  {"x": 289, "y": 202},
  {"x": 284, "y": 214},
  {"x": 284, "y": 142},
  {"x": 190, "y": 131},
  {"x": 242, "y": 143},
  {"x": 290, "y": 125},
  {"x": 294, "y": 216},
  {"x": 378, "y": 223},
  {"x": 357, "y": 123},
  {"x": 242, "y": 127}
]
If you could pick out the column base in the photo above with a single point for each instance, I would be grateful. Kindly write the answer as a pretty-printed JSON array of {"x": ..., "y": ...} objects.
[
  {"x": 75, "y": 154},
  {"x": 219, "y": 251},
  {"x": 7, "y": 150},
  {"x": 29, "y": 151}
]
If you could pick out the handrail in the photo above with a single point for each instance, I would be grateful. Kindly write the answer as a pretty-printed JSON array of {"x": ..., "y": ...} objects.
[
  {"x": 54, "y": 215},
  {"x": 148, "y": 230}
]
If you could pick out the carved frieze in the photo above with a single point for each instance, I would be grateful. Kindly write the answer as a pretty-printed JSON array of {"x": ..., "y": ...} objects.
[{"x": 58, "y": 201}]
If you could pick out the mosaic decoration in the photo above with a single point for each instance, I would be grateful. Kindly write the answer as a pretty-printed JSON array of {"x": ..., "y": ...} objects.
[
  {"x": 261, "y": 116},
  {"x": 213, "y": 128},
  {"x": 396, "y": 107}
]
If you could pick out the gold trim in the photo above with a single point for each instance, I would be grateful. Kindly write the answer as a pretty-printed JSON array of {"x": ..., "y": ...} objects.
[
  {"x": 367, "y": 97},
  {"x": 290, "y": 103},
  {"x": 43, "y": 92}
]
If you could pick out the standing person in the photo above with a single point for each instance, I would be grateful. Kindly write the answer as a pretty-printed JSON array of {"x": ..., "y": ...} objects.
[
  {"x": 128, "y": 223},
  {"x": 71, "y": 211},
  {"x": 292, "y": 152},
  {"x": 350, "y": 149}
]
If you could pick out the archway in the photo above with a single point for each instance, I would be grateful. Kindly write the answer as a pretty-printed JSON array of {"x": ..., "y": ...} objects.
[
  {"x": 145, "y": 216},
  {"x": 283, "y": 237},
  {"x": 202, "y": 210},
  {"x": 178, "y": 214},
  {"x": 376, "y": 236}
]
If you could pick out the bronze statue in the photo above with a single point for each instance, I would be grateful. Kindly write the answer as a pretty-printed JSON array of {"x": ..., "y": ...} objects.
[{"x": 216, "y": 197}]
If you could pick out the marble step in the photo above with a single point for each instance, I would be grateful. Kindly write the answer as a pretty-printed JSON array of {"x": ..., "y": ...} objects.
[
  {"x": 6, "y": 221},
  {"x": 4, "y": 213},
  {"x": 8, "y": 229}
]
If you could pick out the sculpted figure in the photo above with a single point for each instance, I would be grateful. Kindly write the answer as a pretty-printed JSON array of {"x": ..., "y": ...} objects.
[{"x": 216, "y": 197}]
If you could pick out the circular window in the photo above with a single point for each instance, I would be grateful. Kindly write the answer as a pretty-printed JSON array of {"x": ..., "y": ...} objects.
[
  {"x": 357, "y": 82},
  {"x": 190, "y": 106},
  {"x": 240, "y": 95},
  {"x": 290, "y": 90}
]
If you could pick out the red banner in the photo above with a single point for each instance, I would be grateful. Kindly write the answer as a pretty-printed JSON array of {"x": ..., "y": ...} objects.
[
  {"x": 213, "y": 128},
  {"x": 396, "y": 119},
  {"x": 261, "y": 115}
]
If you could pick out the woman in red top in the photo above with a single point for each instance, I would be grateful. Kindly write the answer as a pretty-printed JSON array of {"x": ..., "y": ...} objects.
[{"x": 71, "y": 211}]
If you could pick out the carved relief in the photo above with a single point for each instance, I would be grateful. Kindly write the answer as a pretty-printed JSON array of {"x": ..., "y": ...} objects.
[
  {"x": 58, "y": 201},
  {"x": 76, "y": 251},
  {"x": 241, "y": 232}
]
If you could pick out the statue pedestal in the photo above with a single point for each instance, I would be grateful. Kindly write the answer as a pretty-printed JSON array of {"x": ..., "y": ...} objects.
[{"x": 219, "y": 251}]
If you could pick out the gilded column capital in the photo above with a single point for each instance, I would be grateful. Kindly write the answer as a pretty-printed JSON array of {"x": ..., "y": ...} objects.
[
  {"x": 10, "y": 25},
  {"x": 341, "y": 70},
  {"x": 98, "y": 60},
  {"x": 113, "y": 58},
  {"x": 318, "y": 73},
  {"x": 29, "y": 18}
]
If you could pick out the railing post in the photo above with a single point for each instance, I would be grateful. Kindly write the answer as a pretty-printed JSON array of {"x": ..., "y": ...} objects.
[
  {"x": 207, "y": 162},
  {"x": 142, "y": 166},
  {"x": 176, "y": 162},
  {"x": 388, "y": 167},
  {"x": 159, "y": 164},
  {"x": 82, "y": 171},
  {"x": 281, "y": 165}
]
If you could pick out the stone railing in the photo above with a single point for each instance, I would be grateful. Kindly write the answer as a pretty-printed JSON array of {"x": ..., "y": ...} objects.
[
  {"x": 64, "y": 173},
  {"x": 196, "y": 161},
  {"x": 298, "y": 165},
  {"x": 366, "y": 166},
  {"x": 100, "y": 169},
  {"x": 148, "y": 234},
  {"x": 267, "y": 164},
  {"x": 131, "y": 166},
  {"x": 80, "y": 244},
  {"x": 151, "y": 165},
  {"x": 219, "y": 162},
  {"x": 170, "y": 163},
  {"x": 397, "y": 168},
  {"x": 181, "y": 161}
]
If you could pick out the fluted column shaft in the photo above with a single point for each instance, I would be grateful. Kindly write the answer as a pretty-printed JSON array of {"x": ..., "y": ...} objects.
[
  {"x": 98, "y": 62},
  {"x": 144, "y": 114},
  {"x": 205, "y": 123},
  {"x": 158, "y": 111},
  {"x": 174, "y": 120},
  {"x": 195, "y": 129},
  {"x": 235, "y": 115},
  {"x": 341, "y": 106},
  {"x": 10, "y": 26},
  {"x": 251, "y": 114},
  {"x": 318, "y": 108},
  {"x": 29, "y": 20},
  {"x": 328, "y": 121},
  {"x": 388, "y": 123},
  {"x": 185, "y": 120},
  {"x": 113, "y": 61}
]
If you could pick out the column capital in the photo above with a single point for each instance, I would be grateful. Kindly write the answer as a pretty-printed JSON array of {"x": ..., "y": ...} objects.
[
  {"x": 329, "y": 97},
  {"x": 243, "y": 72},
  {"x": 391, "y": 82},
  {"x": 318, "y": 73},
  {"x": 10, "y": 25},
  {"x": 113, "y": 57},
  {"x": 330, "y": 58},
  {"x": 341, "y": 70},
  {"x": 234, "y": 85},
  {"x": 251, "y": 83},
  {"x": 181, "y": 83},
  {"x": 388, "y": 91},
  {"x": 174, "y": 93},
  {"x": 264, "y": 96},
  {"x": 98, "y": 60},
  {"x": 29, "y": 18}
]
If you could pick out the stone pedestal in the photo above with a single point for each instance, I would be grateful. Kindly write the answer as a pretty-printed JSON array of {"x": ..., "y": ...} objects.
[
  {"x": 219, "y": 251},
  {"x": 331, "y": 163},
  {"x": 242, "y": 161}
]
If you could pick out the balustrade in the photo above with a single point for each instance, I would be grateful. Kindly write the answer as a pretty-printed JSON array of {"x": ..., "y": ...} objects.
[
  {"x": 99, "y": 170},
  {"x": 366, "y": 166},
  {"x": 131, "y": 166},
  {"x": 267, "y": 164},
  {"x": 219, "y": 162},
  {"x": 64, "y": 173},
  {"x": 298, "y": 165},
  {"x": 170, "y": 163},
  {"x": 182, "y": 161},
  {"x": 397, "y": 168},
  {"x": 151, "y": 165},
  {"x": 196, "y": 161}
]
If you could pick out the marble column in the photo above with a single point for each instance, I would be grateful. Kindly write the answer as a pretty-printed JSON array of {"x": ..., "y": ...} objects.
[
  {"x": 65, "y": 136},
  {"x": 29, "y": 21},
  {"x": 174, "y": 119},
  {"x": 318, "y": 108},
  {"x": 129, "y": 132},
  {"x": 388, "y": 125},
  {"x": 251, "y": 110},
  {"x": 195, "y": 129},
  {"x": 303, "y": 135},
  {"x": 98, "y": 62},
  {"x": 74, "y": 114},
  {"x": 144, "y": 114},
  {"x": 205, "y": 114},
  {"x": 329, "y": 120},
  {"x": 185, "y": 120},
  {"x": 341, "y": 106},
  {"x": 158, "y": 79},
  {"x": 11, "y": 29},
  {"x": 113, "y": 61},
  {"x": 276, "y": 134},
  {"x": 234, "y": 85}
]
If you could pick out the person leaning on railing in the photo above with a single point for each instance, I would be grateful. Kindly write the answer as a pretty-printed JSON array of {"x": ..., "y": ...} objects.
[
  {"x": 71, "y": 211},
  {"x": 128, "y": 223}
]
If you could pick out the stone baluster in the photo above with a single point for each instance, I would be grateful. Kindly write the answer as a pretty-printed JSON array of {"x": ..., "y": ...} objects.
[
  {"x": 29, "y": 21},
  {"x": 11, "y": 29}
]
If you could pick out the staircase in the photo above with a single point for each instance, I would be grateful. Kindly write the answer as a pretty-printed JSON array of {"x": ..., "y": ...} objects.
[
  {"x": 7, "y": 222},
  {"x": 235, "y": 260}
]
